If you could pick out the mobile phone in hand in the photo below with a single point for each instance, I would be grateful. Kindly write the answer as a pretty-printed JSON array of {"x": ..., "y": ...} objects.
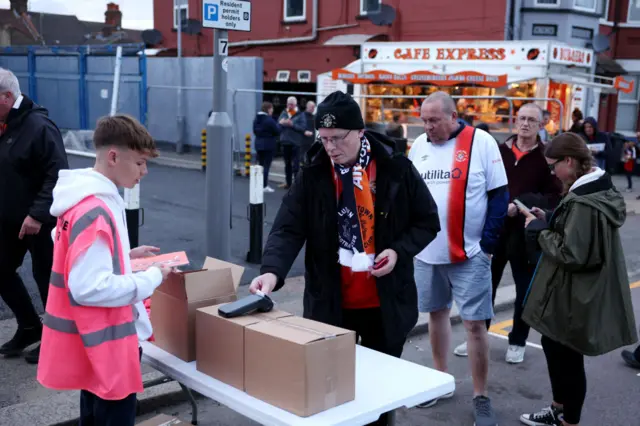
[{"x": 521, "y": 206}]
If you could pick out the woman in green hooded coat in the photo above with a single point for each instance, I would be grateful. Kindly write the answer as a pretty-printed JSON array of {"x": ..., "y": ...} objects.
[{"x": 579, "y": 298}]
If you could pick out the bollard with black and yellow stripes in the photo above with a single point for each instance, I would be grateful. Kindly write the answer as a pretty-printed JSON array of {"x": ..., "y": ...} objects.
[
  {"x": 247, "y": 154},
  {"x": 203, "y": 150}
]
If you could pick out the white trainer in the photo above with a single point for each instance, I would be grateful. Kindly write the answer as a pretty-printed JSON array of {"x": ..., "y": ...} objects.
[
  {"x": 461, "y": 350},
  {"x": 515, "y": 354},
  {"x": 269, "y": 189}
]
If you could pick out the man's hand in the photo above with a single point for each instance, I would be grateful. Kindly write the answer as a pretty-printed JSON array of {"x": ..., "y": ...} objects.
[
  {"x": 388, "y": 268},
  {"x": 286, "y": 122},
  {"x": 265, "y": 283},
  {"x": 539, "y": 213},
  {"x": 513, "y": 210},
  {"x": 143, "y": 251},
  {"x": 30, "y": 226},
  {"x": 308, "y": 133}
]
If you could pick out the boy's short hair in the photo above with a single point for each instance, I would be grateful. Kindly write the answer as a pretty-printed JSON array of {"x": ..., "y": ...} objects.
[{"x": 124, "y": 131}]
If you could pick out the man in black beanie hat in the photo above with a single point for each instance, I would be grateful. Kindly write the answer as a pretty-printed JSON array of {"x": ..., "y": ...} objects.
[{"x": 364, "y": 212}]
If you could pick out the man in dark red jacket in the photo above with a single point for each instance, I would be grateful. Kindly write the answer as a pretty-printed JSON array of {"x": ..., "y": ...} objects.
[{"x": 531, "y": 182}]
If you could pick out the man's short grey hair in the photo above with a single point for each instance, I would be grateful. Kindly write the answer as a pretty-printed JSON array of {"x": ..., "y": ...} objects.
[
  {"x": 292, "y": 100},
  {"x": 446, "y": 101},
  {"x": 536, "y": 107},
  {"x": 9, "y": 83}
]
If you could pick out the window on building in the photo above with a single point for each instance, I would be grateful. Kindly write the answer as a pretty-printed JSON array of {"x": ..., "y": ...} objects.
[
  {"x": 369, "y": 6},
  {"x": 627, "y": 115},
  {"x": 180, "y": 12},
  {"x": 605, "y": 9},
  {"x": 587, "y": 5},
  {"x": 547, "y": 2},
  {"x": 294, "y": 10},
  {"x": 634, "y": 11}
]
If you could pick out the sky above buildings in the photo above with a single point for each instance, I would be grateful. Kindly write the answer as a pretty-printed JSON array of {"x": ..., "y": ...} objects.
[{"x": 136, "y": 14}]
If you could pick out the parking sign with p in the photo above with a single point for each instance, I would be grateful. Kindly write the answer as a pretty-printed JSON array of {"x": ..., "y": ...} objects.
[{"x": 211, "y": 12}]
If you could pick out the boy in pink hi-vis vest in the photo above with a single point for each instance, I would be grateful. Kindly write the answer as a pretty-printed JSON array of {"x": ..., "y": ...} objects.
[{"x": 95, "y": 314}]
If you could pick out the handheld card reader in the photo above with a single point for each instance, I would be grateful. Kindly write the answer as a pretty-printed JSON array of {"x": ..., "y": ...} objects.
[{"x": 256, "y": 302}]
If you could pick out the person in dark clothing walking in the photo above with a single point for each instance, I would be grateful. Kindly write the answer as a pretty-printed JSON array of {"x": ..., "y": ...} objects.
[
  {"x": 356, "y": 204},
  {"x": 531, "y": 182},
  {"x": 597, "y": 141},
  {"x": 291, "y": 140},
  {"x": 266, "y": 130},
  {"x": 305, "y": 121},
  {"x": 576, "y": 118},
  {"x": 579, "y": 299},
  {"x": 31, "y": 155}
]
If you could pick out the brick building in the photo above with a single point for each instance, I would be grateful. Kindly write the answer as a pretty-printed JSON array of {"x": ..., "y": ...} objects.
[
  {"x": 621, "y": 23},
  {"x": 303, "y": 38}
]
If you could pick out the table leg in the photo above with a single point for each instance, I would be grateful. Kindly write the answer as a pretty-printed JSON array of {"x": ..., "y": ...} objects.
[{"x": 194, "y": 405}]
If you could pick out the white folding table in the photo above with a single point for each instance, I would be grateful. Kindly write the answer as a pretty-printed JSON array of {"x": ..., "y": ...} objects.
[{"x": 383, "y": 384}]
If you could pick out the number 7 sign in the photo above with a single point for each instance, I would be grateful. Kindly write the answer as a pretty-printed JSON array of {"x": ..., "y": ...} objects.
[{"x": 223, "y": 47}]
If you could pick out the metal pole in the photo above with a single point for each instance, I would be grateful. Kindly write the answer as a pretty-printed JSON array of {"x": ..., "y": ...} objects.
[
  {"x": 131, "y": 196},
  {"x": 180, "y": 115},
  {"x": 219, "y": 159},
  {"x": 256, "y": 214}
]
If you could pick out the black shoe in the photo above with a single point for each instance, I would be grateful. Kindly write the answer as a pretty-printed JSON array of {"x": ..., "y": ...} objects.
[
  {"x": 33, "y": 356},
  {"x": 550, "y": 416},
  {"x": 24, "y": 337},
  {"x": 630, "y": 359}
]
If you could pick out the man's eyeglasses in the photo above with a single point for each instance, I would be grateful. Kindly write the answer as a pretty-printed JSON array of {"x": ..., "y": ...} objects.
[
  {"x": 531, "y": 120},
  {"x": 334, "y": 140}
]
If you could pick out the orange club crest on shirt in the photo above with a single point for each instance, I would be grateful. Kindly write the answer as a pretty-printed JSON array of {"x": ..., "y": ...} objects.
[{"x": 461, "y": 156}]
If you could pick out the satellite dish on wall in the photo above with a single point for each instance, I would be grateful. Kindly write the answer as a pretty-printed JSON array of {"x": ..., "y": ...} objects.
[
  {"x": 600, "y": 43},
  {"x": 385, "y": 16},
  {"x": 192, "y": 26},
  {"x": 151, "y": 37}
]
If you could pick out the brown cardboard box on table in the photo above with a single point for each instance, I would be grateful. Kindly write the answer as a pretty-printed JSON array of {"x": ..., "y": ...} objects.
[
  {"x": 220, "y": 343},
  {"x": 174, "y": 304},
  {"x": 163, "y": 420},
  {"x": 299, "y": 365}
]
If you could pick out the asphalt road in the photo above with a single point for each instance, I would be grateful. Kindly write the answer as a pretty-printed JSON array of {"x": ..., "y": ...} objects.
[{"x": 612, "y": 395}]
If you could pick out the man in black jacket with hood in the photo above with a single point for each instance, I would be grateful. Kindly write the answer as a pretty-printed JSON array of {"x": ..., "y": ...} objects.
[
  {"x": 364, "y": 213},
  {"x": 31, "y": 155}
]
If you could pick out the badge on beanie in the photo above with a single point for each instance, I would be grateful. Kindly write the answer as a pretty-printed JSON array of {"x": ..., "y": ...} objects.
[{"x": 329, "y": 120}]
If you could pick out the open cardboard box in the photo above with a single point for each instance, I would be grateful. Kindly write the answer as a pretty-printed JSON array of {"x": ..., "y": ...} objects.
[
  {"x": 220, "y": 343},
  {"x": 175, "y": 301}
]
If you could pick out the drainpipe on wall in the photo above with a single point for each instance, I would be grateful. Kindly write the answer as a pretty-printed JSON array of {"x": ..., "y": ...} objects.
[
  {"x": 517, "y": 19},
  {"x": 312, "y": 37},
  {"x": 508, "y": 21}
]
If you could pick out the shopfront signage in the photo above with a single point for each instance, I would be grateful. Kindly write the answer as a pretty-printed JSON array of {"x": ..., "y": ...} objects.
[
  {"x": 544, "y": 30},
  {"x": 571, "y": 56},
  {"x": 427, "y": 77},
  {"x": 507, "y": 53}
]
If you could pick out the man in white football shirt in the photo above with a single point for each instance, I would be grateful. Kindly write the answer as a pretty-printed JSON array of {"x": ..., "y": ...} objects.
[{"x": 463, "y": 169}]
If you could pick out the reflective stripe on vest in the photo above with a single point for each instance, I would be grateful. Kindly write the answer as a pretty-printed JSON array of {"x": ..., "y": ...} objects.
[{"x": 95, "y": 338}]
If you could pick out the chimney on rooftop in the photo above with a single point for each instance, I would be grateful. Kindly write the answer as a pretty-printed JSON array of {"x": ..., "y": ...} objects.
[
  {"x": 113, "y": 16},
  {"x": 20, "y": 6}
]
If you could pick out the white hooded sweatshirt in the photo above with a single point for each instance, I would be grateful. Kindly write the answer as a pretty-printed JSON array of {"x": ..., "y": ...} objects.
[{"x": 91, "y": 279}]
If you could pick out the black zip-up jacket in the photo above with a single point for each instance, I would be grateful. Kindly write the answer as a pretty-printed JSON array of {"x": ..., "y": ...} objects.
[
  {"x": 406, "y": 221},
  {"x": 31, "y": 155},
  {"x": 530, "y": 179}
]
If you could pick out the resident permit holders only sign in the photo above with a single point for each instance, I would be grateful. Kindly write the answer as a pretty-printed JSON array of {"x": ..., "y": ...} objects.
[{"x": 233, "y": 15}]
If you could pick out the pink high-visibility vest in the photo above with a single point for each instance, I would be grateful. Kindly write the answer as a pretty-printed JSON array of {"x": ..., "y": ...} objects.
[{"x": 87, "y": 348}]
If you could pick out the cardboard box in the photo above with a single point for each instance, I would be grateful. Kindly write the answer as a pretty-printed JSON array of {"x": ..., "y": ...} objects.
[
  {"x": 162, "y": 420},
  {"x": 220, "y": 343},
  {"x": 174, "y": 304},
  {"x": 302, "y": 366}
]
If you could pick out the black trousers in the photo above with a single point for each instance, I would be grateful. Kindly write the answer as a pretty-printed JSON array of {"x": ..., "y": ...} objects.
[
  {"x": 509, "y": 250},
  {"x": 367, "y": 323},
  {"x": 568, "y": 378},
  {"x": 95, "y": 411},
  {"x": 264, "y": 159},
  {"x": 12, "y": 289},
  {"x": 291, "y": 155},
  {"x": 636, "y": 353}
]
